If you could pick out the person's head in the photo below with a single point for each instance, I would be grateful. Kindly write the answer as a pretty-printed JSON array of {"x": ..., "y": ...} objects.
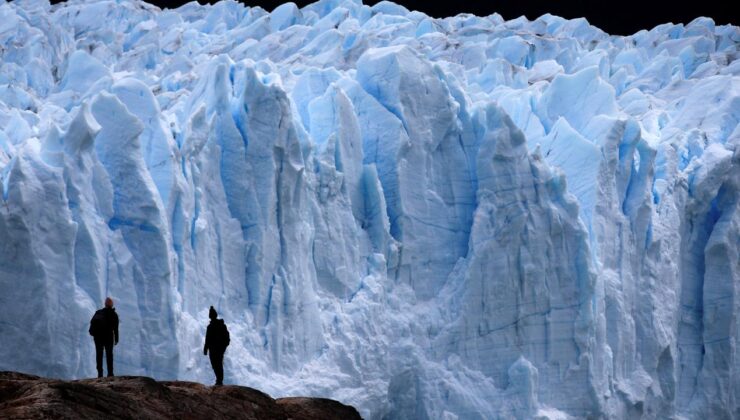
[
  {"x": 212, "y": 313},
  {"x": 108, "y": 302}
]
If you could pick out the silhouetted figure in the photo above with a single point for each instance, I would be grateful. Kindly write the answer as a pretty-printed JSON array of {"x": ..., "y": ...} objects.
[
  {"x": 104, "y": 329},
  {"x": 217, "y": 339}
]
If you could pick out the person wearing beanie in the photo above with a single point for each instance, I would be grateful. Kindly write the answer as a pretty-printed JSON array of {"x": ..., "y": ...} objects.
[
  {"x": 217, "y": 339},
  {"x": 104, "y": 329}
]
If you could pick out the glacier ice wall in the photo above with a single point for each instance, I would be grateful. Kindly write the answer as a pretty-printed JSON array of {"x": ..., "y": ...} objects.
[{"x": 426, "y": 218}]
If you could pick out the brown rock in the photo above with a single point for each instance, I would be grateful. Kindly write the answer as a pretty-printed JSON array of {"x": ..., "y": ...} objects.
[
  {"x": 135, "y": 397},
  {"x": 316, "y": 409}
]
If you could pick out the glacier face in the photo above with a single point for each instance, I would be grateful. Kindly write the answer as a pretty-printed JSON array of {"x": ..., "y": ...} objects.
[{"x": 425, "y": 218}]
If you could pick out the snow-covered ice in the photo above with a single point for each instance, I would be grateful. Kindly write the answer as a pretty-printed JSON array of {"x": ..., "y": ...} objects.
[{"x": 452, "y": 218}]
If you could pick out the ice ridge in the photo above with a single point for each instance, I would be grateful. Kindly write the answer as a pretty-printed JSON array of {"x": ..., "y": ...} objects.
[{"x": 458, "y": 218}]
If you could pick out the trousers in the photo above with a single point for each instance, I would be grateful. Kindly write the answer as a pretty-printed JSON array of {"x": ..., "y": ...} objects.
[
  {"x": 217, "y": 363},
  {"x": 107, "y": 345}
]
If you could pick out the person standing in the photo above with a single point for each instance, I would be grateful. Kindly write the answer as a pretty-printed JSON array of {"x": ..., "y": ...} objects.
[
  {"x": 217, "y": 339},
  {"x": 104, "y": 329}
]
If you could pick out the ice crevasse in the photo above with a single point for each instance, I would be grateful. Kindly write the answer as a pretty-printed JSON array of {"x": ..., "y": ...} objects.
[{"x": 425, "y": 218}]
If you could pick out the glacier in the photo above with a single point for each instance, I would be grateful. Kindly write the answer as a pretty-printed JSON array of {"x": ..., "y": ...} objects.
[{"x": 457, "y": 218}]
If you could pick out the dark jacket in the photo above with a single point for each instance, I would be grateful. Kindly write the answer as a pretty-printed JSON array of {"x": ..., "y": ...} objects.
[
  {"x": 109, "y": 332},
  {"x": 217, "y": 337}
]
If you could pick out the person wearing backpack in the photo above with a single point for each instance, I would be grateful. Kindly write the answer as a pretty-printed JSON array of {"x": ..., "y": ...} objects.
[
  {"x": 104, "y": 329},
  {"x": 217, "y": 339}
]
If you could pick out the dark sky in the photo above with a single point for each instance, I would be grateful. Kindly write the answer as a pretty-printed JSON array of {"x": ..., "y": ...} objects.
[{"x": 615, "y": 17}]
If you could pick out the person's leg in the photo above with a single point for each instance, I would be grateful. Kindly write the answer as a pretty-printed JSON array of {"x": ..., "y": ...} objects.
[
  {"x": 220, "y": 368},
  {"x": 99, "y": 358},
  {"x": 109, "y": 356},
  {"x": 212, "y": 357},
  {"x": 217, "y": 365}
]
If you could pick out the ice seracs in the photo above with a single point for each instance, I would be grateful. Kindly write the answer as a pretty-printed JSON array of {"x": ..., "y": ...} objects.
[{"x": 425, "y": 218}]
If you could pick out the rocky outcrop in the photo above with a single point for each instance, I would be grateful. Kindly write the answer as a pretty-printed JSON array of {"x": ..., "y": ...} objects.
[{"x": 127, "y": 397}]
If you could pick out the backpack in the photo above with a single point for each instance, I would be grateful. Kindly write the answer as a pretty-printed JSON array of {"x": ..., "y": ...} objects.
[
  {"x": 225, "y": 340},
  {"x": 97, "y": 323}
]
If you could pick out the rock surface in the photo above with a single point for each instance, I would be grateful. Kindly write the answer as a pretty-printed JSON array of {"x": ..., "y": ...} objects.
[{"x": 28, "y": 396}]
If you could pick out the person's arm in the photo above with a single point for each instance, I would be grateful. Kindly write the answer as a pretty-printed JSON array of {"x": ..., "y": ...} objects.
[
  {"x": 115, "y": 327},
  {"x": 208, "y": 333}
]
